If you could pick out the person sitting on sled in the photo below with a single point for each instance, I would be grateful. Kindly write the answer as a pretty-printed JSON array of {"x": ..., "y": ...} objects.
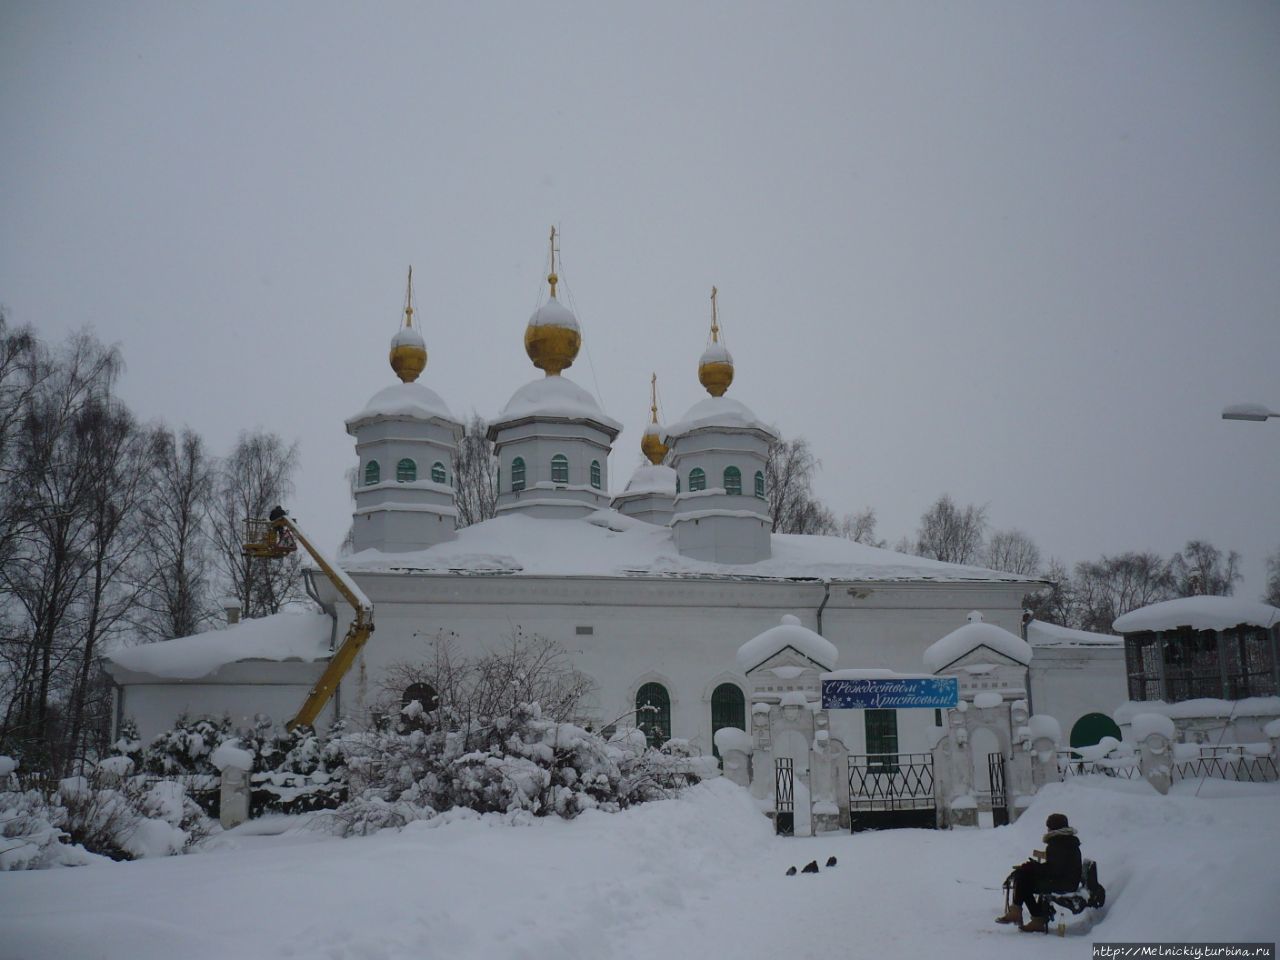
[{"x": 1059, "y": 871}]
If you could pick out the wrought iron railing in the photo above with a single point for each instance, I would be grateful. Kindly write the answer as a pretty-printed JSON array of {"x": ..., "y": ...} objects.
[
  {"x": 1227, "y": 763},
  {"x": 890, "y": 781},
  {"x": 1071, "y": 764}
]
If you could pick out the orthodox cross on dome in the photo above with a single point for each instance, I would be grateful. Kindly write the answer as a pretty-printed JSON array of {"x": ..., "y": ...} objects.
[
  {"x": 653, "y": 397},
  {"x": 408, "y": 350},
  {"x": 715, "y": 366},
  {"x": 552, "y": 279},
  {"x": 408, "y": 299}
]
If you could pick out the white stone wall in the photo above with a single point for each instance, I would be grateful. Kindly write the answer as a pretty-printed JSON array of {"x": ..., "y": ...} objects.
[
  {"x": 683, "y": 634},
  {"x": 1069, "y": 682},
  {"x": 537, "y": 443}
]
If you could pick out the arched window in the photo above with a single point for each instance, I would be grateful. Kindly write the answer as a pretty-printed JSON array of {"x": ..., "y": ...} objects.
[
  {"x": 760, "y": 484},
  {"x": 653, "y": 713},
  {"x": 595, "y": 474},
  {"x": 697, "y": 480},
  {"x": 559, "y": 468},
  {"x": 424, "y": 693},
  {"x": 728, "y": 709},
  {"x": 517, "y": 474},
  {"x": 437, "y": 473},
  {"x": 1091, "y": 728},
  {"x": 406, "y": 471},
  {"x": 372, "y": 473},
  {"x": 677, "y": 483},
  {"x": 732, "y": 480}
]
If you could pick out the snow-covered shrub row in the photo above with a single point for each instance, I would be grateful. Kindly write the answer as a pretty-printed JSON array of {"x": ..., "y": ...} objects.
[
  {"x": 292, "y": 772},
  {"x": 112, "y": 814},
  {"x": 428, "y": 763}
]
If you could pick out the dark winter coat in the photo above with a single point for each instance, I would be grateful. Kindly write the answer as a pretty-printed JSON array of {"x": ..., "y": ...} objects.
[{"x": 1062, "y": 866}]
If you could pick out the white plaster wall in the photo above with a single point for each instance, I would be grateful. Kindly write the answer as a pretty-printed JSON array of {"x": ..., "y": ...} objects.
[
  {"x": 1068, "y": 682},
  {"x": 536, "y": 443},
  {"x": 404, "y": 516},
  {"x": 683, "y": 634},
  {"x": 155, "y": 707}
]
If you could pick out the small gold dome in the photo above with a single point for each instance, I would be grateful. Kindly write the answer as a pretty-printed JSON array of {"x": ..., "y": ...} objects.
[
  {"x": 552, "y": 339},
  {"x": 408, "y": 360},
  {"x": 652, "y": 446},
  {"x": 715, "y": 375}
]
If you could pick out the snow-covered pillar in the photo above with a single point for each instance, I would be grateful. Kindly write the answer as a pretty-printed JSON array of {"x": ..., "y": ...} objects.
[
  {"x": 1046, "y": 734},
  {"x": 1019, "y": 778},
  {"x": 735, "y": 748},
  {"x": 234, "y": 763},
  {"x": 824, "y": 775},
  {"x": 1154, "y": 733}
]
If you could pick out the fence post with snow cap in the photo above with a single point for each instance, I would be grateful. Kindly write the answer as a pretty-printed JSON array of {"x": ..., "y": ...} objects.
[{"x": 234, "y": 763}]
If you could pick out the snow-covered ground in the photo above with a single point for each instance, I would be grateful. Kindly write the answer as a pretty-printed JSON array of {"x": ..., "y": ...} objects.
[{"x": 699, "y": 876}]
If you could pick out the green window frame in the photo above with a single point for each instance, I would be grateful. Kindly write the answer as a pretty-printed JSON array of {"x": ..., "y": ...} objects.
[
  {"x": 559, "y": 468},
  {"x": 728, "y": 709},
  {"x": 760, "y": 484},
  {"x": 595, "y": 474},
  {"x": 438, "y": 474},
  {"x": 697, "y": 480},
  {"x": 653, "y": 713},
  {"x": 733, "y": 481},
  {"x": 517, "y": 474},
  {"x": 882, "y": 739},
  {"x": 372, "y": 473},
  {"x": 406, "y": 471}
]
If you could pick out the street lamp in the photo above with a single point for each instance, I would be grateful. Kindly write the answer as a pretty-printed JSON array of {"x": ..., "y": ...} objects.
[{"x": 1248, "y": 411}]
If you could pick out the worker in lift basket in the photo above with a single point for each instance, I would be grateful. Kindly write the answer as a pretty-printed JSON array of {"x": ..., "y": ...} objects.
[{"x": 1059, "y": 869}]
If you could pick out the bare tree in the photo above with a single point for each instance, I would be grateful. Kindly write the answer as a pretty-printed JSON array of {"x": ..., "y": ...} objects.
[
  {"x": 1057, "y": 602},
  {"x": 176, "y": 533},
  {"x": 1112, "y": 586},
  {"x": 1272, "y": 596},
  {"x": 861, "y": 527},
  {"x": 475, "y": 472},
  {"x": 257, "y": 476},
  {"x": 789, "y": 475},
  {"x": 1013, "y": 552},
  {"x": 950, "y": 533},
  {"x": 1200, "y": 568}
]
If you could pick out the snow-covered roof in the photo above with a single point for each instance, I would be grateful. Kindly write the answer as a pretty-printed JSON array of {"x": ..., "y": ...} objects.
[
  {"x": 608, "y": 544},
  {"x": 1202, "y": 707},
  {"x": 553, "y": 313},
  {"x": 554, "y": 397},
  {"x": 282, "y": 636},
  {"x": 404, "y": 400},
  {"x": 650, "y": 478},
  {"x": 974, "y": 634},
  {"x": 719, "y": 412},
  {"x": 1042, "y": 634},
  {"x": 789, "y": 633},
  {"x": 1198, "y": 613}
]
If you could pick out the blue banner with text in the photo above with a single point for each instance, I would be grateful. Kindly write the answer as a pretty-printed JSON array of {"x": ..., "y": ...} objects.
[{"x": 889, "y": 693}]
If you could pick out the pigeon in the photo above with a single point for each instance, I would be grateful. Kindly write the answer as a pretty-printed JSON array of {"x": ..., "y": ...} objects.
[
  {"x": 831, "y": 861},
  {"x": 791, "y": 872},
  {"x": 810, "y": 867}
]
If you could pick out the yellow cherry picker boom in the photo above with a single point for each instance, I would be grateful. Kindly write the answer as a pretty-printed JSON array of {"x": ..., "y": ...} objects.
[{"x": 278, "y": 536}]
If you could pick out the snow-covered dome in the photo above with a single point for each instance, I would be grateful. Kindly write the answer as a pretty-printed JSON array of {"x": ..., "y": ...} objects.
[
  {"x": 719, "y": 412},
  {"x": 553, "y": 313},
  {"x": 652, "y": 478},
  {"x": 653, "y": 443},
  {"x": 789, "y": 633},
  {"x": 554, "y": 397},
  {"x": 715, "y": 369},
  {"x": 404, "y": 400},
  {"x": 974, "y": 634},
  {"x": 1198, "y": 613},
  {"x": 552, "y": 338}
]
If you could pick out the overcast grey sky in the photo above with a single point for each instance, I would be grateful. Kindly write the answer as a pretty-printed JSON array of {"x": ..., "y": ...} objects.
[{"x": 1022, "y": 253}]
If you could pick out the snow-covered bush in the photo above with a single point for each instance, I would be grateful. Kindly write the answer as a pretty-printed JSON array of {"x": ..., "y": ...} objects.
[{"x": 109, "y": 814}]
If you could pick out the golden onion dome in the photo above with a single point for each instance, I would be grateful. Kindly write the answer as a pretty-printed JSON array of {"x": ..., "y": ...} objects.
[
  {"x": 715, "y": 366},
  {"x": 715, "y": 369},
  {"x": 652, "y": 444},
  {"x": 552, "y": 338},
  {"x": 408, "y": 350}
]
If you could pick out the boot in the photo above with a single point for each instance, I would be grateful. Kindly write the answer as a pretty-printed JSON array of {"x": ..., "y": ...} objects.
[
  {"x": 1035, "y": 925},
  {"x": 1012, "y": 915}
]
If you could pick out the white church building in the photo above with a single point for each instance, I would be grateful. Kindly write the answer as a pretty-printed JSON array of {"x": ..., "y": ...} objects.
[{"x": 652, "y": 589}]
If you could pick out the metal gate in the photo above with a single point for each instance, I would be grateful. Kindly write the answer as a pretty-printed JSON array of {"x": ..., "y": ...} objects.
[
  {"x": 889, "y": 790},
  {"x": 784, "y": 797},
  {"x": 999, "y": 796}
]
